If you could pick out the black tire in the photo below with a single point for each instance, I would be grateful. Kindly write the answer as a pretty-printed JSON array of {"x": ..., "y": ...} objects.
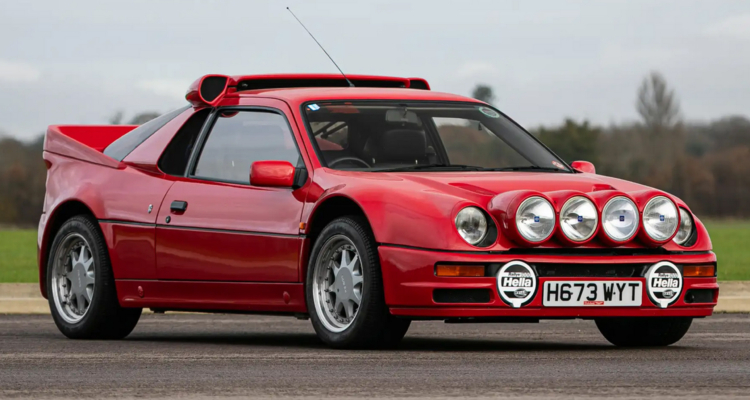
[
  {"x": 105, "y": 319},
  {"x": 373, "y": 326},
  {"x": 643, "y": 331}
]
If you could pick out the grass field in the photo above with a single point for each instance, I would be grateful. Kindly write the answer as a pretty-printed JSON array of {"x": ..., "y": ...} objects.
[
  {"x": 18, "y": 256},
  {"x": 731, "y": 240}
]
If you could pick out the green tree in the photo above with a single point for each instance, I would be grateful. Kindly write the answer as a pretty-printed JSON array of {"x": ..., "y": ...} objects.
[
  {"x": 138, "y": 119},
  {"x": 142, "y": 118},
  {"x": 656, "y": 103},
  {"x": 483, "y": 92},
  {"x": 572, "y": 140}
]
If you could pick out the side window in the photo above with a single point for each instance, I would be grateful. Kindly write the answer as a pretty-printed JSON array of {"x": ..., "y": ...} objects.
[
  {"x": 175, "y": 158},
  {"x": 120, "y": 148},
  {"x": 239, "y": 138},
  {"x": 469, "y": 142}
]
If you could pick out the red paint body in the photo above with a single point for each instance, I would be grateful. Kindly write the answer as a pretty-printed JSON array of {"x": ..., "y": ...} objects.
[{"x": 245, "y": 247}]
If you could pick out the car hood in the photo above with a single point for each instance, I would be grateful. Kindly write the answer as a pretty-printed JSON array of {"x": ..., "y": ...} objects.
[
  {"x": 494, "y": 183},
  {"x": 417, "y": 209}
]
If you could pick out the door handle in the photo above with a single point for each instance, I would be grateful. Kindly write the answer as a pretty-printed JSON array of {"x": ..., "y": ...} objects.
[{"x": 178, "y": 206}]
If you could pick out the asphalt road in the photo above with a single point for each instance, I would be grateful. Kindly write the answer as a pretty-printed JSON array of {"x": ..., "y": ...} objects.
[{"x": 203, "y": 356}]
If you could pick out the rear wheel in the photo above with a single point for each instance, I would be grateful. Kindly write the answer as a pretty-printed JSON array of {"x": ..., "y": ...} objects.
[
  {"x": 643, "y": 331},
  {"x": 344, "y": 289},
  {"x": 81, "y": 287}
]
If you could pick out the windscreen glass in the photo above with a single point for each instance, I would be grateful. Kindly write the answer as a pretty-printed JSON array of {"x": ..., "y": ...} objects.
[{"x": 391, "y": 136}]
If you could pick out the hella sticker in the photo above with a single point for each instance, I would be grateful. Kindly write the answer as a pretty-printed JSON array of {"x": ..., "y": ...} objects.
[
  {"x": 516, "y": 284},
  {"x": 664, "y": 283}
]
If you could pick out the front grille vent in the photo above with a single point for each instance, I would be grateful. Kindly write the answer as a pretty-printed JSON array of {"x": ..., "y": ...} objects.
[{"x": 461, "y": 295}]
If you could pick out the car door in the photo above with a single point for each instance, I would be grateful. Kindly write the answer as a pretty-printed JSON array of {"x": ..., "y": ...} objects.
[{"x": 215, "y": 226}]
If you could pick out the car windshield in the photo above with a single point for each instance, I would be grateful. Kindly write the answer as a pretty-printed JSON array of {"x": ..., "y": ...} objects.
[{"x": 425, "y": 136}]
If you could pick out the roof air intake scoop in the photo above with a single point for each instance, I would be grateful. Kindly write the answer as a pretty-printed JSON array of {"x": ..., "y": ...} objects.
[{"x": 208, "y": 90}]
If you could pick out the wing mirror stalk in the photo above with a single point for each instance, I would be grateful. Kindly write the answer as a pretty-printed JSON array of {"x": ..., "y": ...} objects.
[{"x": 300, "y": 178}]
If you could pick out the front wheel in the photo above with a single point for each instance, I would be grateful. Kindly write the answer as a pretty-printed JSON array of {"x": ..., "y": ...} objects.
[
  {"x": 643, "y": 331},
  {"x": 344, "y": 289},
  {"x": 81, "y": 287}
]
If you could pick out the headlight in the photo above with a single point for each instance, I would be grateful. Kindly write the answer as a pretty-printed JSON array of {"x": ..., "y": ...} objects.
[
  {"x": 579, "y": 218},
  {"x": 686, "y": 227},
  {"x": 471, "y": 224},
  {"x": 535, "y": 219},
  {"x": 660, "y": 218},
  {"x": 620, "y": 219}
]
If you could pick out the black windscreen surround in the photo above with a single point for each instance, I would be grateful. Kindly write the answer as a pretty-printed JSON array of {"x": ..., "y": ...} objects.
[
  {"x": 212, "y": 87},
  {"x": 254, "y": 84},
  {"x": 120, "y": 148}
]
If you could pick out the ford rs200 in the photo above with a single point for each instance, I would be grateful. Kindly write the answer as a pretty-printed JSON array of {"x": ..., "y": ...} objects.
[{"x": 363, "y": 204}]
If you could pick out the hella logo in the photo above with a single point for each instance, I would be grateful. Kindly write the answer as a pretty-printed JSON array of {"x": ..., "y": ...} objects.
[
  {"x": 520, "y": 293},
  {"x": 511, "y": 282}
]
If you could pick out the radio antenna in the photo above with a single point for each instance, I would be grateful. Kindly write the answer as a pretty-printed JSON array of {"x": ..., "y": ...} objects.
[{"x": 321, "y": 47}]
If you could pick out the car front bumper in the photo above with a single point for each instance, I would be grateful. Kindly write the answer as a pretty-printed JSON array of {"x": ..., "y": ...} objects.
[{"x": 409, "y": 283}]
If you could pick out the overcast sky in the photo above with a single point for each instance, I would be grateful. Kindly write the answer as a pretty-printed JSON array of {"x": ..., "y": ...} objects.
[{"x": 79, "y": 61}]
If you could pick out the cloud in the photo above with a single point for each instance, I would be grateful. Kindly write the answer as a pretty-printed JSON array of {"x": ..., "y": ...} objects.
[
  {"x": 17, "y": 72},
  {"x": 471, "y": 69},
  {"x": 737, "y": 27},
  {"x": 174, "y": 88}
]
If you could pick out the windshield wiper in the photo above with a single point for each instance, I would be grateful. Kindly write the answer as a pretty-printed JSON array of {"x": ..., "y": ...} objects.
[
  {"x": 435, "y": 167},
  {"x": 527, "y": 168}
]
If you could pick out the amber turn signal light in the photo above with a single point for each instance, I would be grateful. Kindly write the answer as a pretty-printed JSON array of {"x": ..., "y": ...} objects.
[
  {"x": 460, "y": 270},
  {"x": 706, "y": 271}
]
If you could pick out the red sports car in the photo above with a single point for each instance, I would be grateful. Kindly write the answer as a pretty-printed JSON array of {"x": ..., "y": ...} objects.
[{"x": 362, "y": 208}]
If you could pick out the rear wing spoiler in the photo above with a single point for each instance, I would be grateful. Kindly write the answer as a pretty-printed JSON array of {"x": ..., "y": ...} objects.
[{"x": 85, "y": 142}]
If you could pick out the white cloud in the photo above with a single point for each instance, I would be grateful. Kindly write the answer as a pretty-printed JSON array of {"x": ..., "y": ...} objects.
[
  {"x": 174, "y": 88},
  {"x": 15, "y": 72},
  {"x": 737, "y": 27},
  {"x": 471, "y": 69}
]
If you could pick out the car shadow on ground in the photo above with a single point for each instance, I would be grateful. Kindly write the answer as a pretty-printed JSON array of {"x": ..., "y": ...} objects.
[{"x": 310, "y": 341}]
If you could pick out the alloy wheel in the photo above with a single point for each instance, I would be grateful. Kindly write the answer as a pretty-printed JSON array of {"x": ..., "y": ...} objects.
[
  {"x": 73, "y": 278},
  {"x": 338, "y": 283}
]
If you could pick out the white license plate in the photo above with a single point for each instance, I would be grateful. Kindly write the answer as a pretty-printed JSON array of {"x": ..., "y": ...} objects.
[{"x": 592, "y": 293}]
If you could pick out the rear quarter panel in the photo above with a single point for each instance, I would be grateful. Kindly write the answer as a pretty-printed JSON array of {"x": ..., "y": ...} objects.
[{"x": 113, "y": 196}]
